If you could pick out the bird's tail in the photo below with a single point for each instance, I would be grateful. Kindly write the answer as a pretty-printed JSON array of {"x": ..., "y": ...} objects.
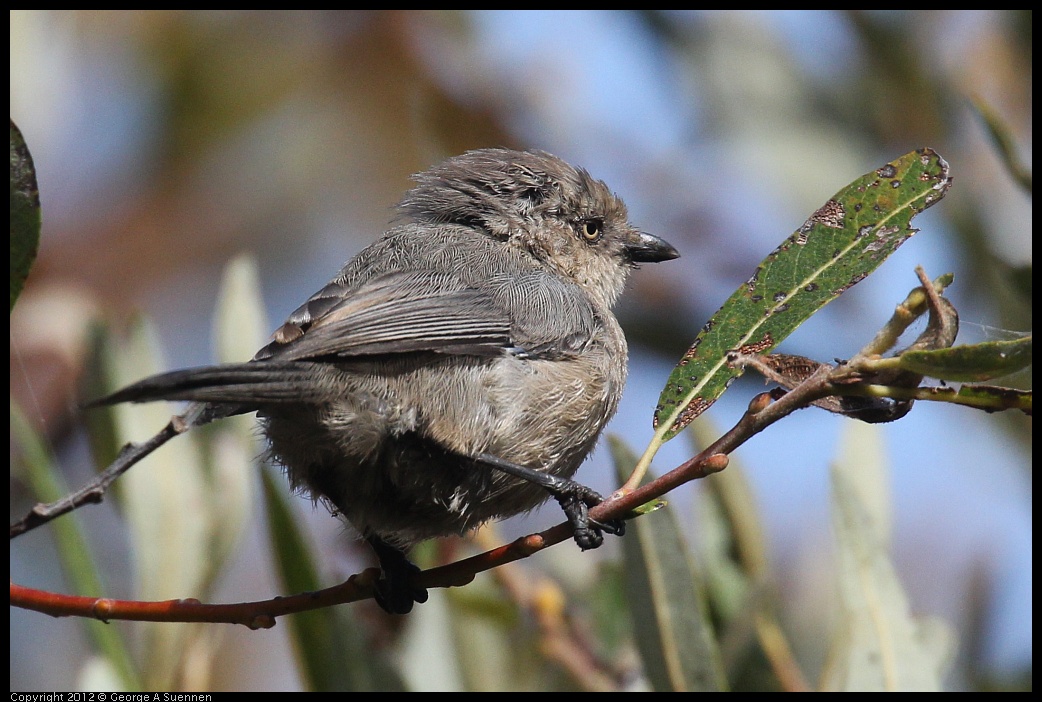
[{"x": 250, "y": 385}]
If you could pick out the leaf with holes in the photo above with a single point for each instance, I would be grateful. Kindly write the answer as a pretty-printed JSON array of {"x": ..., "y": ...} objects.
[{"x": 841, "y": 243}]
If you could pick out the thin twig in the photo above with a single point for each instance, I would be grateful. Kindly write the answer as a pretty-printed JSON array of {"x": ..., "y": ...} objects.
[{"x": 94, "y": 491}]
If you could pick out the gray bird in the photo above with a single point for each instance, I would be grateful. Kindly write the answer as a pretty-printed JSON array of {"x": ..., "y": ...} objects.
[{"x": 455, "y": 371}]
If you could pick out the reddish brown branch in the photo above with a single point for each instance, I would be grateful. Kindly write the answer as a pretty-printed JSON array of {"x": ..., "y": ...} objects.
[{"x": 761, "y": 414}]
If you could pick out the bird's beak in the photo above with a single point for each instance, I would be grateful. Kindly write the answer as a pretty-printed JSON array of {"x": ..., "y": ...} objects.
[{"x": 647, "y": 248}]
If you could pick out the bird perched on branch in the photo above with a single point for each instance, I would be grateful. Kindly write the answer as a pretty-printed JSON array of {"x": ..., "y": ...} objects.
[{"x": 457, "y": 370}]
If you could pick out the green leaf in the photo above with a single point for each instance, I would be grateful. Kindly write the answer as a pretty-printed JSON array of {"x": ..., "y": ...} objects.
[
  {"x": 331, "y": 647},
  {"x": 970, "y": 362},
  {"x": 667, "y": 600},
  {"x": 240, "y": 325},
  {"x": 730, "y": 541},
  {"x": 841, "y": 243},
  {"x": 727, "y": 586},
  {"x": 465, "y": 640},
  {"x": 1002, "y": 136},
  {"x": 879, "y": 646},
  {"x": 992, "y": 398},
  {"x": 232, "y": 443},
  {"x": 729, "y": 536},
  {"x": 97, "y": 380},
  {"x": 77, "y": 558},
  {"x": 164, "y": 503},
  {"x": 25, "y": 212}
]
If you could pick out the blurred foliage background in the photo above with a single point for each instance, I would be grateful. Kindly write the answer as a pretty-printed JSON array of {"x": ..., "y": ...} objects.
[{"x": 167, "y": 142}]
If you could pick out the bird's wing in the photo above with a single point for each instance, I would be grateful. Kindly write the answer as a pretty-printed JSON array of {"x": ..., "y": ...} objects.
[
  {"x": 392, "y": 313},
  {"x": 396, "y": 312}
]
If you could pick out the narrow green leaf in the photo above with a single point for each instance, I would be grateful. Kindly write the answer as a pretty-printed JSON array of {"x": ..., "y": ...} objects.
[
  {"x": 25, "y": 212},
  {"x": 164, "y": 505},
  {"x": 1002, "y": 136},
  {"x": 730, "y": 539},
  {"x": 238, "y": 331},
  {"x": 97, "y": 380},
  {"x": 667, "y": 600},
  {"x": 77, "y": 558},
  {"x": 330, "y": 644},
  {"x": 468, "y": 640},
  {"x": 970, "y": 362},
  {"x": 240, "y": 324},
  {"x": 312, "y": 631},
  {"x": 728, "y": 586},
  {"x": 841, "y": 243},
  {"x": 436, "y": 651},
  {"x": 729, "y": 532},
  {"x": 991, "y": 398},
  {"x": 879, "y": 646}
]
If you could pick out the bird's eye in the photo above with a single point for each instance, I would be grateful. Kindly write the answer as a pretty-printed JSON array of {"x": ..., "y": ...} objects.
[{"x": 591, "y": 229}]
